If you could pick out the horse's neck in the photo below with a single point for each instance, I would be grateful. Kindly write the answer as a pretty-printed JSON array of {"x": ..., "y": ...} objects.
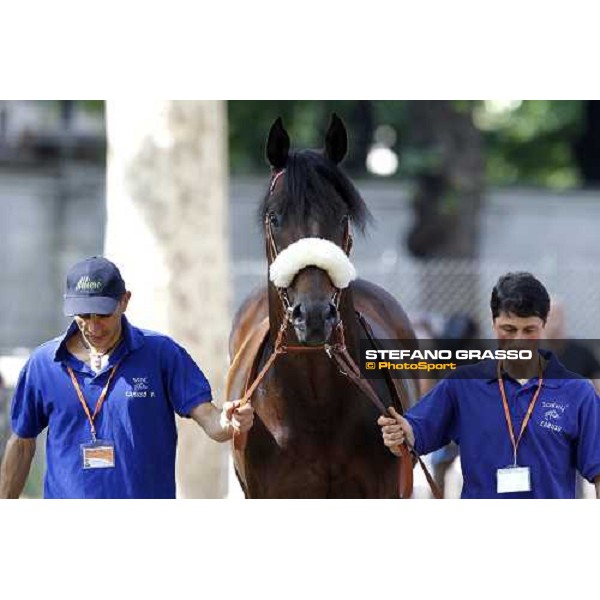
[{"x": 350, "y": 321}]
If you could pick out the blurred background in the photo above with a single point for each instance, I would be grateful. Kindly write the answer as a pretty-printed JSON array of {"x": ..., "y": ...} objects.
[{"x": 461, "y": 192}]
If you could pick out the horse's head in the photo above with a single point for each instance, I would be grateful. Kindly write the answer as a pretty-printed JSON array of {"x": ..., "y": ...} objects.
[{"x": 307, "y": 214}]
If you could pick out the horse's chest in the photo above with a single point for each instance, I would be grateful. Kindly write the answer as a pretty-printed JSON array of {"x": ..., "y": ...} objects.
[
  {"x": 320, "y": 442},
  {"x": 317, "y": 467},
  {"x": 315, "y": 433}
]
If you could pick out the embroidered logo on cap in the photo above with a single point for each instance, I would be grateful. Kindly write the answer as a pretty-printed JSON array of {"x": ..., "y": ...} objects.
[{"x": 85, "y": 284}]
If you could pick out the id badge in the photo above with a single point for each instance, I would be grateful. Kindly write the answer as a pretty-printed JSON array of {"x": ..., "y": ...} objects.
[
  {"x": 513, "y": 479},
  {"x": 99, "y": 454}
]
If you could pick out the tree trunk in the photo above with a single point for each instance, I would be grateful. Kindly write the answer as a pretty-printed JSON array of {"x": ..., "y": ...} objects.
[
  {"x": 450, "y": 182},
  {"x": 587, "y": 146},
  {"x": 167, "y": 229}
]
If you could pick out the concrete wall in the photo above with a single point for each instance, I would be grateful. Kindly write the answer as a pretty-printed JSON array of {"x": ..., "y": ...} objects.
[{"x": 49, "y": 218}]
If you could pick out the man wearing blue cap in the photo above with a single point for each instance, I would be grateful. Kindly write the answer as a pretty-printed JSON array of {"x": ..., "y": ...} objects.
[{"x": 108, "y": 393}]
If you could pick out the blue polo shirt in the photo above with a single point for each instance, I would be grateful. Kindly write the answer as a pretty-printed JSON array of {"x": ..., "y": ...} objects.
[
  {"x": 155, "y": 379},
  {"x": 563, "y": 434}
]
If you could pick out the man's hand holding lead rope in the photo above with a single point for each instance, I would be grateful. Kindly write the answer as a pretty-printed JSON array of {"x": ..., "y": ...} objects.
[
  {"x": 237, "y": 416},
  {"x": 396, "y": 430}
]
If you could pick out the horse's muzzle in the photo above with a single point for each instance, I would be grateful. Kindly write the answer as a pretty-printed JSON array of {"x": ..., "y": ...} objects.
[{"x": 314, "y": 321}]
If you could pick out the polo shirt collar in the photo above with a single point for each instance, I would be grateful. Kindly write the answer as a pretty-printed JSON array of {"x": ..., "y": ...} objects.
[
  {"x": 554, "y": 372},
  {"x": 133, "y": 339}
]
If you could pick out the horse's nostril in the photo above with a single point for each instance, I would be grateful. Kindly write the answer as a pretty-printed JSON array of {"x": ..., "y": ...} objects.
[
  {"x": 331, "y": 312},
  {"x": 298, "y": 313}
]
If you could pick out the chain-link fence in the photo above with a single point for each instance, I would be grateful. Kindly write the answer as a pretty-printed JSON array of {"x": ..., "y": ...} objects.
[
  {"x": 448, "y": 286},
  {"x": 441, "y": 287}
]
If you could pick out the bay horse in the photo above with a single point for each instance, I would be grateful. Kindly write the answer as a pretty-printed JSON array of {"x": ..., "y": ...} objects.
[{"x": 315, "y": 433}]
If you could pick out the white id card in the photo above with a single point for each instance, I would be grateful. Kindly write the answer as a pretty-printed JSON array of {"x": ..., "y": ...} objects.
[
  {"x": 99, "y": 454},
  {"x": 513, "y": 479}
]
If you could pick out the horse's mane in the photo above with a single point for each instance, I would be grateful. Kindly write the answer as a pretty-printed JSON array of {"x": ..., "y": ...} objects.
[{"x": 314, "y": 187}]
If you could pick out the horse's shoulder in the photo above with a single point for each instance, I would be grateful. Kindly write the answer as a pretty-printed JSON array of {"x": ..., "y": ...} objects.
[
  {"x": 245, "y": 358},
  {"x": 249, "y": 315},
  {"x": 381, "y": 309}
]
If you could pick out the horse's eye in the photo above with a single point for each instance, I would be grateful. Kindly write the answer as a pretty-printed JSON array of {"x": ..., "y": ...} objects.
[{"x": 274, "y": 219}]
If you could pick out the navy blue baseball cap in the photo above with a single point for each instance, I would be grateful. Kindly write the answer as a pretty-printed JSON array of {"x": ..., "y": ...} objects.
[{"x": 94, "y": 286}]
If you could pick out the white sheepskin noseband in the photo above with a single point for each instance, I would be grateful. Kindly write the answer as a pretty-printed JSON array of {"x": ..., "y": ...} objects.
[{"x": 314, "y": 252}]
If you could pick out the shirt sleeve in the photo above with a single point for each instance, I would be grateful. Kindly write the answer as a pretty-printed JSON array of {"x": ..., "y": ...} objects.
[
  {"x": 434, "y": 418},
  {"x": 588, "y": 440},
  {"x": 27, "y": 413},
  {"x": 186, "y": 384}
]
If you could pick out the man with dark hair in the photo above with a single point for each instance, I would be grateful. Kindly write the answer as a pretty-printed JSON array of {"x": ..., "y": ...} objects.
[
  {"x": 108, "y": 393},
  {"x": 520, "y": 294},
  {"x": 524, "y": 426}
]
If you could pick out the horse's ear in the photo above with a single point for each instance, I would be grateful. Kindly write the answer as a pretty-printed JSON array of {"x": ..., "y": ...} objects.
[
  {"x": 336, "y": 140},
  {"x": 278, "y": 145}
]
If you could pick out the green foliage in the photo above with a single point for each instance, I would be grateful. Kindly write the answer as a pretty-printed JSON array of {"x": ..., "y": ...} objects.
[
  {"x": 94, "y": 106},
  {"x": 533, "y": 145},
  {"x": 526, "y": 143},
  {"x": 250, "y": 121}
]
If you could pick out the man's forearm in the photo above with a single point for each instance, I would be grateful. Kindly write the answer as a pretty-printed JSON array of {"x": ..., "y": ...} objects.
[
  {"x": 15, "y": 466},
  {"x": 218, "y": 431},
  {"x": 208, "y": 416}
]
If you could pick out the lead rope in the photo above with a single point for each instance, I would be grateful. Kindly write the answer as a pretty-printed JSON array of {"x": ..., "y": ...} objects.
[
  {"x": 348, "y": 367},
  {"x": 277, "y": 351},
  {"x": 435, "y": 489}
]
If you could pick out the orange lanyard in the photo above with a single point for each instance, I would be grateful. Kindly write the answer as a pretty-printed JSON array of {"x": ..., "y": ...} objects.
[
  {"x": 511, "y": 431},
  {"x": 100, "y": 402}
]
